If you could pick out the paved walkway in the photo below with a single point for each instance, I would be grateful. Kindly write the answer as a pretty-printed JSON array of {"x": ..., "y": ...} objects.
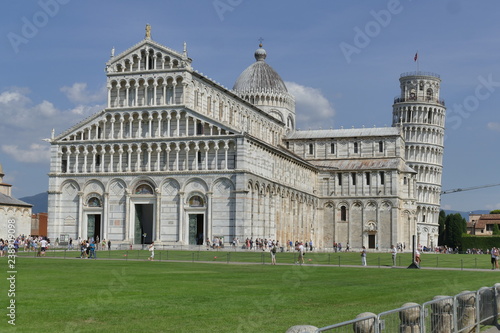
[{"x": 223, "y": 261}]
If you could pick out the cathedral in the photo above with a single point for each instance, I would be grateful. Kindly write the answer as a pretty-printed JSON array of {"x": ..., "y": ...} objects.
[{"x": 177, "y": 158}]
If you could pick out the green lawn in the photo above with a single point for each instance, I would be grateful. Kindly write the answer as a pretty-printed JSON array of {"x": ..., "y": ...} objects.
[{"x": 60, "y": 295}]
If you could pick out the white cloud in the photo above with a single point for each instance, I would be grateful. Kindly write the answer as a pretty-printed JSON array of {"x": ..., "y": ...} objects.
[
  {"x": 24, "y": 124},
  {"x": 86, "y": 110},
  {"x": 78, "y": 93},
  {"x": 9, "y": 97},
  {"x": 46, "y": 108},
  {"x": 18, "y": 111},
  {"x": 494, "y": 126},
  {"x": 493, "y": 206},
  {"x": 36, "y": 153},
  {"x": 312, "y": 108}
]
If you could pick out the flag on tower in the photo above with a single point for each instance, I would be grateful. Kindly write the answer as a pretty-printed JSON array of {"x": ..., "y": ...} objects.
[{"x": 415, "y": 57}]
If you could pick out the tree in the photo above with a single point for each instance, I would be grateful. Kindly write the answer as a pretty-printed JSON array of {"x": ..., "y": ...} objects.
[
  {"x": 452, "y": 229},
  {"x": 442, "y": 227},
  {"x": 496, "y": 211},
  {"x": 496, "y": 229}
]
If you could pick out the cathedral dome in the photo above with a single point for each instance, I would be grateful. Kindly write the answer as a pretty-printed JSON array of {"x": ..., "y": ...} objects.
[{"x": 259, "y": 76}]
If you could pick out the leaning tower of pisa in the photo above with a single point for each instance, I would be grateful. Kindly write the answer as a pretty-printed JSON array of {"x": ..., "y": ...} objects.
[{"x": 420, "y": 113}]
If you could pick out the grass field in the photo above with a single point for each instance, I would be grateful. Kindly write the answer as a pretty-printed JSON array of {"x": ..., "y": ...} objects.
[{"x": 135, "y": 295}]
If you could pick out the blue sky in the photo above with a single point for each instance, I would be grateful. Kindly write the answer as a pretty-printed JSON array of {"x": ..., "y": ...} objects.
[{"x": 53, "y": 54}]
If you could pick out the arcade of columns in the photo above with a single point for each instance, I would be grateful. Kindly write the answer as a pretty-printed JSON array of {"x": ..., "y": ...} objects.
[{"x": 202, "y": 154}]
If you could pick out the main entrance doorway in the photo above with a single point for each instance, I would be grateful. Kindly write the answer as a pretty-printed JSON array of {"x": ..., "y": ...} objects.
[
  {"x": 144, "y": 220},
  {"x": 371, "y": 241},
  {"x": 94, "y": 227},
  {"x": 196, "y": 229}
]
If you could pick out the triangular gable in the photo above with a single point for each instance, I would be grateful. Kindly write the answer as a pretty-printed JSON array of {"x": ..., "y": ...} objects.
[
  {"x": 149, "y": 45},
  {"x": 82, "y": 124},
  {"x": 98, "y": 117}
]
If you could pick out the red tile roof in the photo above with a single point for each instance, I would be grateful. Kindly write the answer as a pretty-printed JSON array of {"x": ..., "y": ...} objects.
[{"x": 487, "y": 219}]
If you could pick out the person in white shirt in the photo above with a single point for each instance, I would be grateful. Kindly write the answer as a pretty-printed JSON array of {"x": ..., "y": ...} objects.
[
  {"x": 417, "y": 257},
  {"x": 43, "y": 246},
  {"x": 152, "y": 250},
  {"x": 394, "y": 251}
]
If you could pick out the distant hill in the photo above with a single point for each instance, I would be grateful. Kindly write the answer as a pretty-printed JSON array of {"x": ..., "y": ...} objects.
[
  {"x": 465, "y": 215},
  {"x": 39, "y": 201}
]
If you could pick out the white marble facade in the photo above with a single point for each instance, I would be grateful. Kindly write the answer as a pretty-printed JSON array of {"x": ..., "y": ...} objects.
[{"x": 176, "y": 158}]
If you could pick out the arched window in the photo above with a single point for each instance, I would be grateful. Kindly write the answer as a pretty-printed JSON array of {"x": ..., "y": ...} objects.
[
  {"x": 343, "y": 213},
  {"x": 150, "y": 62},
  {"x": 94, "y": 202},
  {"x": 413, "y": 94},
  {"x": 143, "y": 189},
  {"x": 196, "y": 201},
  {"x": 430, "y": 94}
]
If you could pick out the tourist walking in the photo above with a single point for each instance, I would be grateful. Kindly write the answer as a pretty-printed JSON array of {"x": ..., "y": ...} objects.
[
  {"x": 363, "y": 256},
  {"x": 273, "y": 255},
  {"x": 152, "y": 251},
  {"x": 394, "y": 252},
  {"x": 494, "y": 258},
  {"x": 92, "y": 250},
  {"x": 301, "y": 253},
  {"x": 83, "y": 248},
  {"x": 43, "y": 244}
]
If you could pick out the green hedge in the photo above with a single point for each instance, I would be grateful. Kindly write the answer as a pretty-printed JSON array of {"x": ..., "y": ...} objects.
[{"x": 479, "y": 242}]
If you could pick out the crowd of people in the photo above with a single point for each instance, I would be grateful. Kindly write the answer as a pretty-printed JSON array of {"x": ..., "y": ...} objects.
[
  {"x": 29, "y": 243},
  {"x": 88, "y": 247},
  {"x": 40, "y": 245}
]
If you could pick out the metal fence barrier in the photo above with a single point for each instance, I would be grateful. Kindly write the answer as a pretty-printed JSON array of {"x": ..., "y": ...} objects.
[
  {"x": 363, "y": 323},
  {"x": 466, "y": 312}
]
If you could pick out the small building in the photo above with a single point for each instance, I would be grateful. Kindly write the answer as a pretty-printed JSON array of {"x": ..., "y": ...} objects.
[
  {"x": 483, "y": 225},
  {"x": 12, "y": 209},
  {"x": 39, "y": 224}
]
